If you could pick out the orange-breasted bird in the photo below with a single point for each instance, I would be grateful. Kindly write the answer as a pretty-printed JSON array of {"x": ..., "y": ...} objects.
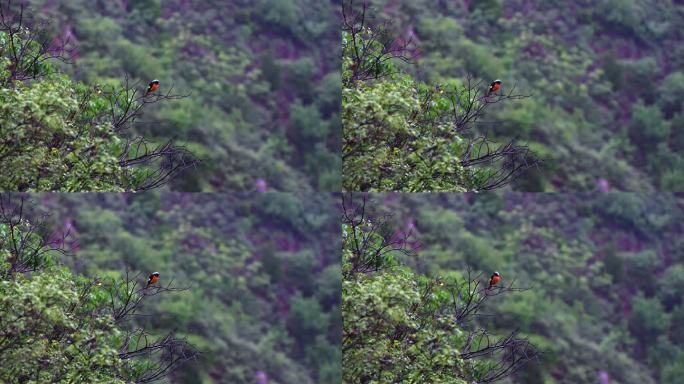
[
  {"x": 494, "y": 87},
  {"x": 153, "y": 86},
  {"x": 494, "y": 280},
  {"x": 154, "y": 277}
]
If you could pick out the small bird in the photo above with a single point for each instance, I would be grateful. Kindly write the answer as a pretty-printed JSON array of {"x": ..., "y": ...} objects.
[
  {"x": 494, "y": 280},
  {"x": 153, "y": 86},
  {"x": 494, "y": 87},
  {"x": 154, "y": 277}
]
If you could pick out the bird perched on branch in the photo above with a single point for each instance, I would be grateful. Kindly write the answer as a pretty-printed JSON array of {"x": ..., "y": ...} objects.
[
  {"x": 152, "y": 87},
  {"x": 494, "y": 280},
  {"x": 154, "y": 277},
  {"x": 494, "y": 87}
]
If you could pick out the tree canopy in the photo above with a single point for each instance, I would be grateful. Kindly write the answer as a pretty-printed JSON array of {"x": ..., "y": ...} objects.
[
  {"x": 605, "y": 79},
  {"x": 252, "y": 284},
  {"x": 403, "y": 326},
  {"x": 57, "y": 134},
  {"x": 403, "y": 134},
  {"x": 61, "y": 327},
  {"x": 602, "y": 272},
  {"x": 262, "y": 80}
]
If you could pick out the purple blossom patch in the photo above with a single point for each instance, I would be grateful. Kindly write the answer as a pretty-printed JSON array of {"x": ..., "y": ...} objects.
[{"x": 261, "y": 185}]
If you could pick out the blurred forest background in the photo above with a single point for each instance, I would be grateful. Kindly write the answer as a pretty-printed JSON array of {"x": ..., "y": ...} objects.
[
  {"x": 263, "y": 272},
  {"x": 606, "y": 272},
  {"x": 606, "y": 79},
  {"x": 263, "y": 78}
]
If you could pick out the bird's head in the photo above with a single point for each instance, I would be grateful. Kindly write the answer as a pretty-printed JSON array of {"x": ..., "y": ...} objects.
[
  {"x": 155, "y": 274},
  {"x": 155, "y": 81},
  {"x": 496, "y": 274},
  {"x": 497, "y": 81}
]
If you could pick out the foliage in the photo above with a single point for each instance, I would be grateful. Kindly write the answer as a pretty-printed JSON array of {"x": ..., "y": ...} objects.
[
  {"x": 61, "y": 327},
  {"x": 400, "y": 326},
  {"x": 262, "y": 78},
  {"x": 605, "y": 79},
  {"x": 53, "y": 331},
  {"x": 380, "y": 114},
  {"x": 377, "y": 307},
  {"x": 401, "y": 134},
  {"x": 604, "y": 269},
  {"x": 46, "y": 148},
  {"x": 262, "y": 275},
  {"x": 60, "y": 135}
]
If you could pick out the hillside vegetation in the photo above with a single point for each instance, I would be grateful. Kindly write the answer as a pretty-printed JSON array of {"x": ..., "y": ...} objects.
[
  {"x": 261, "y": 79},
  {"x": 418, "y": 328},
  {"x": 604, "y": 272},
  {"x": 606, "y": 80},
  {"x": 403, "y": 134},
  {"x": 251, "y": 284}
]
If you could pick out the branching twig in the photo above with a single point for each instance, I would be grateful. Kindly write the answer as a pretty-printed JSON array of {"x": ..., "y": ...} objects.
[
  {"x": 370, "y": 241},
  {"x": 370, "y": 48},
  {"x": 164, "y": 354},
  {"x": 29, "y": 241},
  {"x": 29, "y": 48}
]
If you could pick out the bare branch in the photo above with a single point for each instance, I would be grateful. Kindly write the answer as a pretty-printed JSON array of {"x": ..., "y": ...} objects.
[
  {"x": 163, "y": 354},
  {"x": 29, "y": 44},
  {"x": 30, "y": 242},
  {"x": 370, "y": 49},
  {"x": 371, "y": 241}
]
